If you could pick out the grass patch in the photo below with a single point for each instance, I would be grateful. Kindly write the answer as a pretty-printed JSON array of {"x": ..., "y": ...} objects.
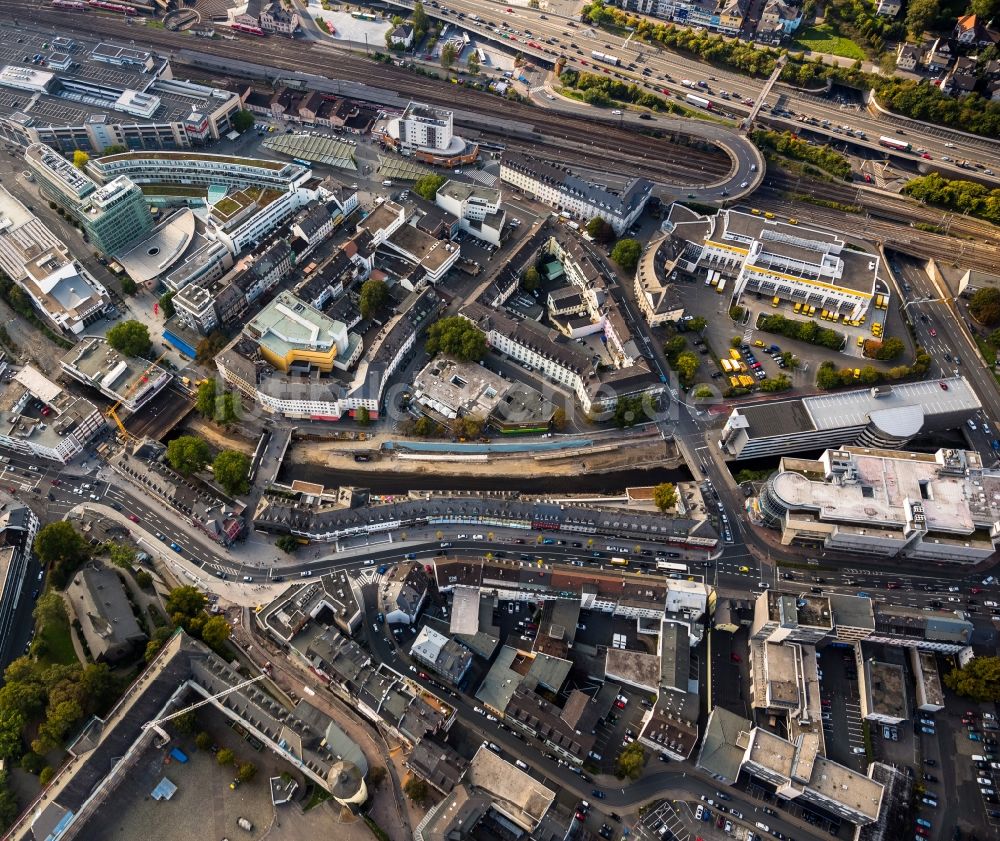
[
  {"x": 825, "y": 39},
  {"x": 57, "y": 645},
  {"x": 319, "y": 795}
]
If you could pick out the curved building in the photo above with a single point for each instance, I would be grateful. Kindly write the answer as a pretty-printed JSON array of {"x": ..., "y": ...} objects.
[
  {"x": 883, "y": 416},
  {"x": 943, "y": 506},
  {"x": 346, "y": 784}
]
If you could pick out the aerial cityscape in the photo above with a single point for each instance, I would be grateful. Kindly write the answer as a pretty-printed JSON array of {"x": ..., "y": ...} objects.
[{"x": 545, "y": 419}]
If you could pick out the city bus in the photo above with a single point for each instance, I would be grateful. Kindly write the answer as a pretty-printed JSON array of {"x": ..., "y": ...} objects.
[{"x": 667, "y": 566}]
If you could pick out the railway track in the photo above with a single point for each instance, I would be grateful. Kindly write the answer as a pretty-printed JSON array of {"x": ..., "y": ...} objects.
[{"x": 664, "y": 160}]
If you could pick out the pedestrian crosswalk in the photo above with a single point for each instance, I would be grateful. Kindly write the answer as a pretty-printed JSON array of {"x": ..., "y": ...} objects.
[
  {"x": 368, "y": 576},
  {"x": 485, "y": 178},
  {"x": 747, "y": 335}
]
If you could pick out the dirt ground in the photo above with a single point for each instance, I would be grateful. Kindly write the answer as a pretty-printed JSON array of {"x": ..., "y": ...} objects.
[{"x": 336, "y": 455}]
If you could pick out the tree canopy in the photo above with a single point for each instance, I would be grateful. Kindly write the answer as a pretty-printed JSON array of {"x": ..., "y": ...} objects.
[
  {"x": 631, "y": 761},
  {"x": 985, "y": 306},
  {"x": 626, "y": 253},
  {"x": 188, "y": 454},
  {"x": 62, "y": 548},
  {"x": 242, "y": 120},
  {"x": 457, "y": 337},
  {"x": 665, "y": 496},
  {"x": 80, "y": 158},
  {"x": 448, "y": 55},
  {"x": 167, "y": 304},
  {"x": 130, "y": 338},
  {"x": 961, "y": 196},
  {"x": 427, "y": 186},
  {"x": 232, "y": 471},
  {"x": 979, "y": 679},
  {"x": 374, "y": 294}
]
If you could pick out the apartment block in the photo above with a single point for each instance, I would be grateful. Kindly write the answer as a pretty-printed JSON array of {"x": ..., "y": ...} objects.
[{"x": 477, "y": 209}]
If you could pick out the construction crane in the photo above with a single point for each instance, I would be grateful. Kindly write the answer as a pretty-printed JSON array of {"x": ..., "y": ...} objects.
[
  {"x": 155, "y": 724},
  {"x": 113, "y": 411}
]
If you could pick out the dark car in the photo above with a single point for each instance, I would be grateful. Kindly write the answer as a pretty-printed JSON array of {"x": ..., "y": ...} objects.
[{"x": 598, "y": 794}]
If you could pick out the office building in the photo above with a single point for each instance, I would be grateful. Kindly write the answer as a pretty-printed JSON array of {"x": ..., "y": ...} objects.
[
  {"x": 884, "y": 416},
  {"x": 573, "y": 196},
  {"x": 882, "y": 690},
  {"x": 942, "y": 506},
  {"x": 59, "y": 430},
  {"x": 61, "y": 289},
  {"x": 424, "y": 127},
  {"x": 18, "y": 527},
  {"x": 132, "y": 382},
  {"x": 476, "y": 207},
  {"x": 200, "y": 169},
  {"x": 115, "y": 216}
]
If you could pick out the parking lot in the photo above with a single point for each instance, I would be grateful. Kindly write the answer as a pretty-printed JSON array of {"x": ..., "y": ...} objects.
[{"x": 842, "y": 726}]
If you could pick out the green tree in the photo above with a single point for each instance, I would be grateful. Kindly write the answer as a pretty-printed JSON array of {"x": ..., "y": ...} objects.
[
  {"x": 225, "y": 757},
  {"x": 205, "y": 401},
  {"x": 61, "y": 547},
  {"x": 686, "y": 365},
  {"x": 288, "y": 544},
  {"x": 188, "y": 454},
  {"x": 246, "y": 772},
  {"x": 919, "y": 14},
  {"x": 114, "y": 149},
  {"x": 870, "y": 375},
  {"x": 984, "y": 305},
  {"x": 531, "y": 279},
  {"x": 629, "y": 411},
  {"x": 185, "y": 723},
  {"x": 457, "y": 337},
  {"x": 216, "y": 631},
  {"x": 45, "y": 775},
  {"x": 778, "y": 383},
  {"x": 129, "y": 286},
  {"x": 416, "y": 790},
  {"x": 144, "y": 579},
  {"x": 167, "y": 304},
  {"x": 558, "y": 419},
  {"x": 702, "y": 392},
  {"x": 80, "y": 158},
  {"x": 427, "y": 186},
  {"x": 363, "y": 417},
  {"x": 697, "y": 324},
  {"x": 376, "y": 774},
  {"x": 32, "y": 762},
  {"x": 185, "y": 602},
  {"x": 425, "y": 427},
  {"x": 121, "y": 555},
  {"x": 59, "y": 719},
  {"x": 599, "y": 230},
  {"x": 630, "y": 761},
  {"x": 160, "y": 636},
  {"x": 232, "y": 471},
  {"x": 9, "y": 808},
  {"x": 665, "y": 496},
  {"x": 374, "y": 294},
  {"x": 979, "y": 679},
  {"x": 209, "y": 346},
  {"x": 472, "y": 63},
  {"x": 420, "y": 22},
  {"x": 11, "y": 727},
  {"x": 674, "y": 347},
  {"x": 448, "y": 55},
  {"x": 891, "y": 348},
  {"x": 130, "y": 338},
  {"x": 203, "y": 740},
  {"x": 50, "y": 608},
  {"x": 242, "y": 120},
  {"x": 626, "y": 253}
]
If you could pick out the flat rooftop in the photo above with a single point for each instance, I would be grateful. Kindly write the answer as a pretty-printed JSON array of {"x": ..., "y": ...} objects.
[
  {"x": 848, "y": 787},
  {"x": 887, "y": 688},
  {"x": 891, "y": 489},
  {"x": 464, "y": 191},
  {"x": 288, "y": 323},
  {"x": 107, "y": 369},
  {"x": 188, "y": 157},
  {"x": 633, "y": 667},
  {"x": 805, "y": 609}
]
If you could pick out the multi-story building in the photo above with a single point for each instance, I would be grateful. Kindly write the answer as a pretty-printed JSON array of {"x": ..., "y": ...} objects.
[
  {"x": 778, "y": 20},
  {"x": 77, "y": 105},
  {"x": 799, "y": 772},
  {"x": 476, "y": 207},
  {"x": 882, "y": 691},
  {"x": 18, "y": 527},
  {"x": 941, "y": 506},
  {"x": 132, "y": 382},
  {"x": 771, "y": 257},
  {"x": 59, "y": 430},
  {"x": 573, "y": 196},
  {"x": 61, "y": 289},
  {"x": 424, "y": 127},
  {"x": 107, "y": 621},
  {"x": 245, "y": 218},
  {"x": 444, "y": 655},
  {"x": 882, "y": 416},
  {"x": 115, "y": 215},
  {"x": 274, "y": 17},
  {"x": 200, "y": 169}
]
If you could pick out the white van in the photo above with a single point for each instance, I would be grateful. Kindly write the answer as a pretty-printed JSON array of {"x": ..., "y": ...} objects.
[
  {"x": 616, "y": 113},
  {"x": 522, "y": 765},
  {"x": 977, "y": 758},
  {"x": 387, "y": 183}
]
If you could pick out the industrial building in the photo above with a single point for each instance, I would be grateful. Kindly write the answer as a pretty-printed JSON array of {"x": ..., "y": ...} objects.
[
  {"x": 941, "y": 506},
  {"x": 883, "y": 416}
]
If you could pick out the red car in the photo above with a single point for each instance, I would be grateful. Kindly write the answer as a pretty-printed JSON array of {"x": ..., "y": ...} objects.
[
  {"x": 893, "y": 585},
  {"x": 932, "y": 331},
  {"x": 620, "y": 705},
  {"x": 975, "y": 590},
  {"x": 133, "y": 518},
  {"x": 736, "y": 657}
]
